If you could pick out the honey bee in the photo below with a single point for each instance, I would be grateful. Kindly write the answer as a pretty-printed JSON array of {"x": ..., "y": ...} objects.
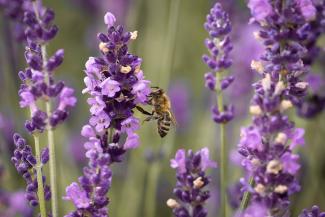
[{"x": 161, "y": 111}]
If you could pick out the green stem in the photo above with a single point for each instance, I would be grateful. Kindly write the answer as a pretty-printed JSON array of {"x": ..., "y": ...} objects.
[
  {"x": 223, "y": 151},
  {"x": 50, "y": 139},
  {"x": 50, "y": 134},
  {"x": 151, "y": 190},
  {"x": 40, "y": 188},
  {"x": 247, "y": 196},
  {"x": 223, "y": 172}
]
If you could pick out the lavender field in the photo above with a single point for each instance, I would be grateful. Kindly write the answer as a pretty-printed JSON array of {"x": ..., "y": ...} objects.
[{"x": 148, "y": 108}]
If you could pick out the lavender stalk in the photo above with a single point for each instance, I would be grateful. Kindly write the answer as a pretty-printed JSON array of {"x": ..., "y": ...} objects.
[
  {"x": 40, "y": 189},
  {"x": 116, "y": 86},
  {"x": 218, "y": 25},
  {"x": 39, "y": 86},
  {"x": 268, "y": 143}
]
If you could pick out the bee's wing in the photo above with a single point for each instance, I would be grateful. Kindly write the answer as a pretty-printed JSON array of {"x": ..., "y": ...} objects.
[{"x": 173, "y": 119}]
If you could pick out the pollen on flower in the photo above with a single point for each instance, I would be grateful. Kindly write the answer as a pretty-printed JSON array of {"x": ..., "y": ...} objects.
[
  {"x": 259, "y": 188},
  {"x": 281, "y": 138},
  {"x": 255, "y": 110},
  {"x": 103, "y": 48},
  {"x": 285, "y": 104},
  {"x": 198, "y": 183},
  {"x": 137, "y": 69},
  {"x": 279, "y": 88},
  {"x": 281, "y": 189},
  {"x": 302, "y": 85},
  {"x": 274, "y": 167},
  {"x": 172, "y": 203},
  {"x": 257, "y": 66},
  {"x": 125, "y": 69},
  {"x": 134, "y": 35},
  {"x": 266, "y": 82}
]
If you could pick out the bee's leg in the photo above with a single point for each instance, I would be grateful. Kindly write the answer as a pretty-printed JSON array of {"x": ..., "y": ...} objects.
[
  {"x": 148, "y": 119},
  {"x": 140, "y": 109},
  {"x": 149, "y": 101}
]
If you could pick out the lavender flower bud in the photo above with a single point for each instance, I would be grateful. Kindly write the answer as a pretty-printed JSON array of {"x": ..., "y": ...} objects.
[{"x": 218, "y": 25}]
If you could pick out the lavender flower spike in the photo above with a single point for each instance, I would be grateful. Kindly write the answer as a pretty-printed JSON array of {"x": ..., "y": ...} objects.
[
  {"x": 38, "y": 85},
  {"x": 218, "y": 26},
  {"x": 116, "y": 86},
  {"x": 191, "y": 180},
  {"x": 267, "y": 145}
]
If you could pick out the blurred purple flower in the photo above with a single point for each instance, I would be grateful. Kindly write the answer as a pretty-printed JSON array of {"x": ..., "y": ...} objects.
[
  {"x": 315, "y": 81},
  {"x": 244, "y": 41},
  {"x": 76, "y": 149},
  {"x": 235, "y": 195},
  {"x": 14, "y": 204}
]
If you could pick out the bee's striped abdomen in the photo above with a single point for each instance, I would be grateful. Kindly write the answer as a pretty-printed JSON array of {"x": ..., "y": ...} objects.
[{"x": 164, "y": 124}]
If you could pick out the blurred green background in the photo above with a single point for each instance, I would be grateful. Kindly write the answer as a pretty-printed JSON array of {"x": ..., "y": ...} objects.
[{"x": 171, "y": 43}]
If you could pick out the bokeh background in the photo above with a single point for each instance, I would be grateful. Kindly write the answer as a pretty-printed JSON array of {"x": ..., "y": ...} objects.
[{"x": 171, "y": 43}]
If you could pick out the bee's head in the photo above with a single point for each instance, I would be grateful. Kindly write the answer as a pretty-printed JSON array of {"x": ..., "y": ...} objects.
[{"x": 156, "y": 91}]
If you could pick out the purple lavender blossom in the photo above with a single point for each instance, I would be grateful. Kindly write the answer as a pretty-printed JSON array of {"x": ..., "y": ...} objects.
[
  {"x": 218, "y": 26},
  {"x": 314, "y": 212},
  {"x": 25, "y": 163},
  {"x": 116, "y": 86},
  {"x": 38, "y": 82},
  {"x": 191, "y": 179},
  {"x": 38, "y": 85},
  {"x": 268, "y": 143}
]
